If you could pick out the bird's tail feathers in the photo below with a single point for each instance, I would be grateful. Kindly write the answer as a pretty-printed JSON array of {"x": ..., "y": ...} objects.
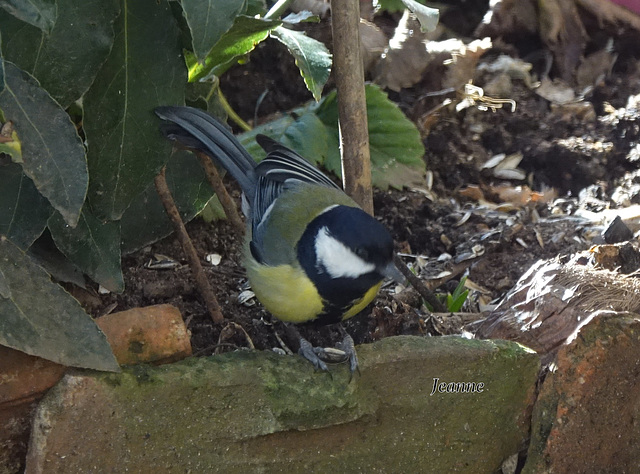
[{"x": 195, "y": 129}]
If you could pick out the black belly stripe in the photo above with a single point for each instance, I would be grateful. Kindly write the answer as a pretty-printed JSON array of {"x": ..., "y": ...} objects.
[{"x": 332, "y": 314}]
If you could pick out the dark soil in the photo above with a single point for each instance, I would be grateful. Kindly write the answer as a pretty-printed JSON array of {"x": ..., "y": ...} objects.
[{"x": 494, "y": 241}]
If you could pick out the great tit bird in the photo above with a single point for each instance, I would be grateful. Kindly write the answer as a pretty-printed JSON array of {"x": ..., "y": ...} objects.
[{"x": 311, "y": 253}]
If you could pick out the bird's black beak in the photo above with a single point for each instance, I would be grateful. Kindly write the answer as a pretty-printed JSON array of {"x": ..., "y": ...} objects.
[{"x": 391, "y": 271}]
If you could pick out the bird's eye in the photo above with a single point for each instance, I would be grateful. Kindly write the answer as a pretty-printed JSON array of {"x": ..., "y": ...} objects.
[{"x": 362, "y": 253}]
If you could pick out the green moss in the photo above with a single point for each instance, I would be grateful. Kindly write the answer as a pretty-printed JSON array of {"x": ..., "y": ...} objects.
[{"x": 252, "y": 410}]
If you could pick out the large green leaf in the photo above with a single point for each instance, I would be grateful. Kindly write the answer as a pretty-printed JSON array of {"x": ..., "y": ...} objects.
[
  {"x": 39, "y": 13},
  {"x": 208, "y": 20},
  {"x": 256, "y": 7},
  {"x": 146, "y": 221},
  {"x": 66, "y": 60},
  {"x": 54, "y": 262},
  {"x": 201, "y": 95},
  {"x": 312, "y": 130},
  {"x": 52, "y": 152},
  {"x": 41, "y": 319},
  {"x": 142, "y": 71},
  {"x": 93, "y": 246},
  {"x": 241, "y": 39},
  {"x": 395, "y": 144},
  {"x": 312, "y": 58},
  {"x": 391, "y": 6},
  {"x": 23, "y": 210},
  {"x": 301, "y": 130}
]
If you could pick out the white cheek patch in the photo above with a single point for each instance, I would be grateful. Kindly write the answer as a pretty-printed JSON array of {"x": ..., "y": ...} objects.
[{"x": 337, "y": 259}]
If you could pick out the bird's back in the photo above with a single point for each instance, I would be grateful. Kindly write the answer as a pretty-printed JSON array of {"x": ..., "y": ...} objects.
[{"x": 274, "y": 241}]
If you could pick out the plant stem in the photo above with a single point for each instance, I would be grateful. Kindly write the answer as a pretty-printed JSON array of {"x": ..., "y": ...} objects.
[
  {"x": 215, "y": 85},
  {"x": 425, "y": 292},
  {"x": 187, "y": 246},
  {"x": 232, "y": 113},
  {"x": 352, "y": 103},
  {"x": 277, "y": 9},
  {"x": 216, "y": 183}
]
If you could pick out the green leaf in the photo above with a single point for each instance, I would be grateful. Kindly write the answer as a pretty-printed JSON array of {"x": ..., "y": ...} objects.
[
  {"x": 312, "y": 58},
  {"x": 304, "y": 16},
  {"x": 54, "y": 262},
  {"x": 241, "y": 39},
  {"x": 23, "y": 210},
  {"x": 208, "y": 20},
  {"x": 256, "y": 7},
  {"x": 312, "y": 131},
  {"x": 204, "y": 95},
  {"x": 66, "y": 60},
  {"x": 395, "y": 143},
  {"x": 456, "y": 300},
  {"x": 93, "y": 246},
  {"x": 391, "y": 6},
  {"x": 213, "y": 211},
  {"x": 39, "y": 13},
  {"x": 142, "y": 71},
  {"x": 275, "y": 129},
  {"x": 146, "y": 221},
  {"x": 52, "y": 152},
  {"x": 455, "y": 303},
  {"x": 301, "y": 130},
  {"x": 460, "y": 288},
  {"x": 41, "y": 319}
]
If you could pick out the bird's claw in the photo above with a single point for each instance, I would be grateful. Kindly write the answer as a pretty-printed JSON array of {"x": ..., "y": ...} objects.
[
  {"x": 309, "y": 352},
  {"x": 349, "y": 348},
  {"x": 319, "y": 356}
]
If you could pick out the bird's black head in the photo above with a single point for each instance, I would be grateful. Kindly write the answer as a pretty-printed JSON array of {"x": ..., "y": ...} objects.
[
  {"x": 357, "y": 231},
  {"x": 345, "y": 252}
]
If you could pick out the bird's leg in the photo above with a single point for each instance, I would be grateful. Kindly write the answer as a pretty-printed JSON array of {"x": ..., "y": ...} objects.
[
  {"x": 348, "y": 346},
  {"x": 312, "y": 354},
  {"x": 319, "y": 356},
  {"x": 306, "y": 349}
]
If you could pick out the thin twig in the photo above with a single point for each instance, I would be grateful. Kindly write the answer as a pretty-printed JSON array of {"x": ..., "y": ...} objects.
[
  {"x": 428, "y": 295},
  {"x": 352, "y": 102},
  {"x": 192, "y": 257},
  {"x": 216, "y": 183}
]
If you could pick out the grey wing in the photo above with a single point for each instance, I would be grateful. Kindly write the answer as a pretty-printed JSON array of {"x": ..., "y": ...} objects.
[
  {"x": 281, "y": 167},
  {"x": 283, "y": 164},
  {"x": 266, "y": 193}
]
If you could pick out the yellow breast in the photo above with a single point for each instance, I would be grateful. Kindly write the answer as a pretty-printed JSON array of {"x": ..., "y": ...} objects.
[
  {"x": 285, "y": 291},
  {"x": 288, "y": 294}
]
